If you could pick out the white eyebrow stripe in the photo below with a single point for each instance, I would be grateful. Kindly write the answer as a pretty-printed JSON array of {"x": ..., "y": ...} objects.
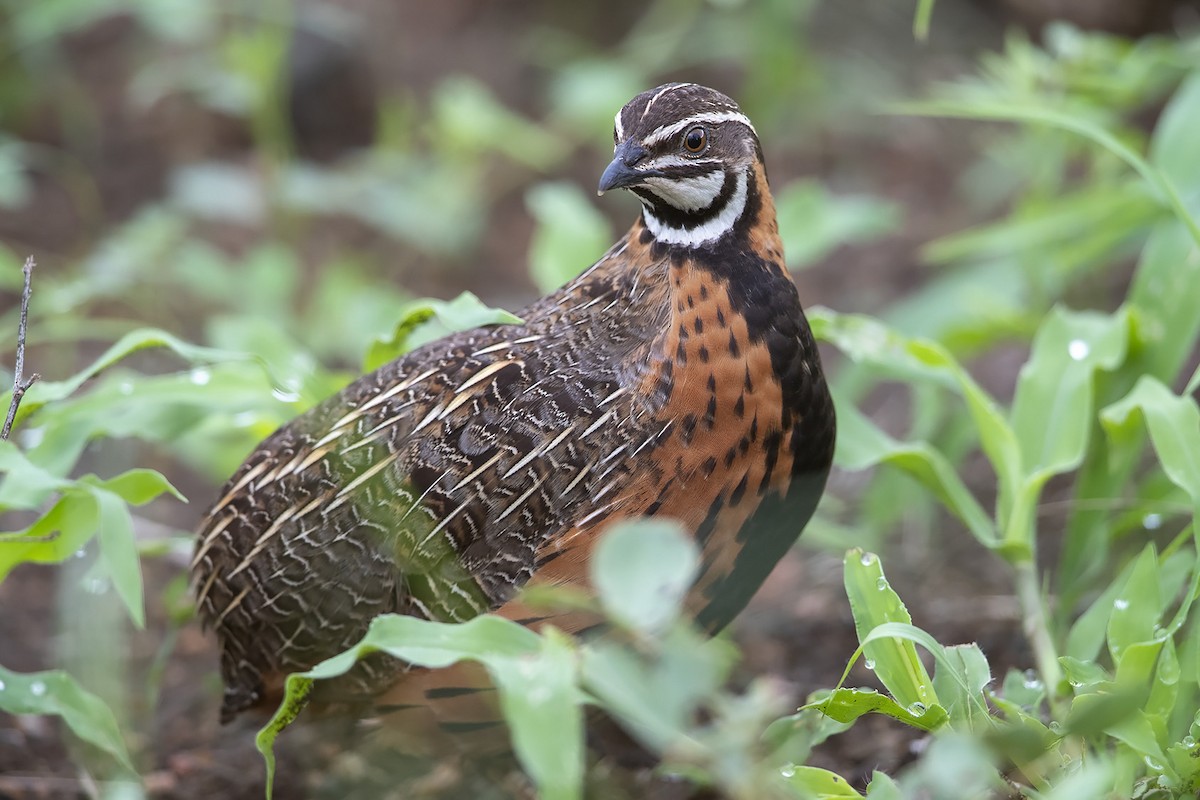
[
  {"x": 661, "y": 92},
  {"x": 667, "y": 131}
]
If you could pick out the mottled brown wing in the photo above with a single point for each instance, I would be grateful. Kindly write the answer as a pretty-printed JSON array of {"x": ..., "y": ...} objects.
[{"x": 425, "y": 488}]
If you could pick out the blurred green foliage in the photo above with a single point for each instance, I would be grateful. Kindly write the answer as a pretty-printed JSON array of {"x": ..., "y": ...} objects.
[{"x": 1097, "y": 171}]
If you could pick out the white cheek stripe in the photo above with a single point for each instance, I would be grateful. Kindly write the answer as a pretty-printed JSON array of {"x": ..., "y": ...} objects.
[
  {"x": 688, "y": 194},
  {"x": 713, "y": 229},
  {"x": 667, "y": 131},
  {"x": 617, "y": 127}
]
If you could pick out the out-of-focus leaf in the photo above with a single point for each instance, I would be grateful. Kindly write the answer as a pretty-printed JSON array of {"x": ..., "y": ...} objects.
[
  {"x": 819, "y": 784},
  {"x": 118, "y": 551},
  {"x": 219, "y": 191},
  {"x": 642, "y": 570},
  {"x": 57, "y": 693},
  {"x": 862, "y": 445},
  {"x": 424, "y": 321},
  {"x": 813, "y": 221},
  {"x": 570, "y": 234},
  {"x": 519, "y": 661}
]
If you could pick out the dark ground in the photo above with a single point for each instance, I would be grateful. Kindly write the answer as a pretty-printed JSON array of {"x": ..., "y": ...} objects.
[{"x": 798, "y": 629}]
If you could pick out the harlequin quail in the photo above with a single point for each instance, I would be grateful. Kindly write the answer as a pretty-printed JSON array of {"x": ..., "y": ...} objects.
[{"x": 675, "y": 377}]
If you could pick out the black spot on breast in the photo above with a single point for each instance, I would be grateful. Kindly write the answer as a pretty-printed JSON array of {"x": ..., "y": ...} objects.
[
  {"x": 687, "y": 428},
  {"x": 699, "y": 326},
  {"x": 709, "y": 467},
  {"x": 738, "y": 492},
  {"x": 739, "y": 407},
  {"x": 703, "y": 353}
]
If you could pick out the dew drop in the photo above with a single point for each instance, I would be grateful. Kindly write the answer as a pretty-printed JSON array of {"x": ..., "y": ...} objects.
[
  {"x": 865, "y": 690},
  {"x": 200, "y": 377},
  {"x": 125, "y": 387},
  {"x": 1121, "y": 604},
  {"x": 916, "y": 709},
  {"x": 1078, "y": 349},
  {"x": 96, "y": 585},
  {"x": 787, "y": 770},
  {"x": 1, "y": 686},
  {"x": 1152, "y": 764},
  {"x": 1055, "y": 727},
  {"x": 869, "y": 664},
  {"x": 37, "y": 688},
  {"x": 1152, "y": 522},
  {"x": 881, "y": 584},
  {"x": 80, "y": 553},
  {"x": 1189, "y": 742},
  {"x": 1032, "y": 682},
  {"x": 866, "y": 559}
]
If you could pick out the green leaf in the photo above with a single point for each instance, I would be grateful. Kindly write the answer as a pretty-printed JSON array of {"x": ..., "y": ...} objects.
[
  {"x": 1052, "y": 407},
  {"x": 959, "y": 682},
  {"x": 1037, "y": 115},
  {"x": 26, "y": 485},
  {"x": 518, "y": 660},
  {"x": 1174, "y": 425},
  {"x": 57, "y": 693},
  {"x": 873, "y": 602},
  {"x": 847, "y": 705},
  {"x": 570, "y": 234},
  {"x": 1137, "y": 607},
  {"x": 540, "y": 698},
  {"x": 424, "y": 321},
  {"x": 54, "y": 537},
  {"x": 882, "y": 787},
  {"x": 118, "y": 551},
  {"x": 861, "y": 445},
  {"x": 44, "y": 392},
  {"x": 813, "y": 221},
  {"x": 642, "y": 570},
  {"x": 819, "y": 784}
]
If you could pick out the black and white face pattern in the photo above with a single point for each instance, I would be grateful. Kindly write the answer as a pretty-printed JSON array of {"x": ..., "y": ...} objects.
[{"x": 687, "y": 152}]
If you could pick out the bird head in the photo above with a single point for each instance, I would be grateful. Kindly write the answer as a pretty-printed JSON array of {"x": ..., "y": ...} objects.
[{"x": 688, "y": 153}]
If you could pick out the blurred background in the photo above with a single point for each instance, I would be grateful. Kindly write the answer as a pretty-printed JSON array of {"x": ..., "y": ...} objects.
[{"x": 283, "y": 177}]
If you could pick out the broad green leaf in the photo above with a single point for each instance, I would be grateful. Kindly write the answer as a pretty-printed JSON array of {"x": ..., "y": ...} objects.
[
  {"x": 424, "y": 321},
  {"x": 1174, "y": 425},
  {"x": 57, "y": 693},
  {"x": 1137, "y": 608},
  {"x": 25, "y": 484},
  {"x": 819, "y": 784},
  {"x": 494, "y": 642},
  {"x": 1052, "y": 407},
  {"x": 570, "y": 234},
  {"x": 868, "y": 341},
  {"x": 642, "y": 570},
  {"x": 1173, "y": 146},
  {"x": 1094, "y": 778},
  {"x": 541, "y": 701},
  {"x": 847, "y": 705},
  {"x": 861, "y": 445},
  {"x": 55, "y": 536},
  {"x": 873, "y": 602},
  {"x": 44, "y": 392},
  {"x": 657, "y": 688},
  {"x": 1024, "y": 689},
  {"x": 118, "y": 551},
  {"x": 959, "y": 682},
  {"x": 882, "y": 787},
  {"x": 139, "y": 486}
]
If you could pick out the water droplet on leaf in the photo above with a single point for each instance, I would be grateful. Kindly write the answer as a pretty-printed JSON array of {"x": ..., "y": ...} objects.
[
  {"x": 1078, "y": 349},
  {"x": 200, "y": 376},
  {"x": 1121, "y": 604},
  {"x": 916, "y": 709},
  {"x": 869, "y": 664},
  {"x": 866, "y": 559},
  {"x": 37, "y": 688},
  {"x": 881, "y": 584},
  {"x": 1152, "y": 522}
]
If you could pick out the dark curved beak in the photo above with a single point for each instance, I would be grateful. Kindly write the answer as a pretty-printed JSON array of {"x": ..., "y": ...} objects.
[{"x": 623, "y": 172}]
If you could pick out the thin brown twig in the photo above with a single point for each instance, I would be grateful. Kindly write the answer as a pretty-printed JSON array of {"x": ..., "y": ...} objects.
[{"x": 20, "y": 386}]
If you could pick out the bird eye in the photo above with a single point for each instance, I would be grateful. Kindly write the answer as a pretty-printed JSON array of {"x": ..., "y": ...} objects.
[{"x": 695, "y": 140}]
